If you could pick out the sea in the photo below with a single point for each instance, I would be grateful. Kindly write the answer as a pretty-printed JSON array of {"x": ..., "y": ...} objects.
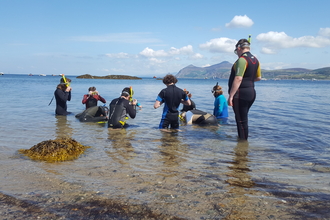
[{"x": 281, "y": 172}]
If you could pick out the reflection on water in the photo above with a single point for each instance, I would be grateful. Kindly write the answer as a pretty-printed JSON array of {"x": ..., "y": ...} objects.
[
  {"x": 239, "y": 180},
  {"x": 171, "y": 150},
  {"x": 122, "y": 150},
  {"x": 63, "y": 127}
]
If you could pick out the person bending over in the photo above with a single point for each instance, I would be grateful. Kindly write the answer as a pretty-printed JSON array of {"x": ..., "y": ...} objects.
[{"x": 120, "y": 108}]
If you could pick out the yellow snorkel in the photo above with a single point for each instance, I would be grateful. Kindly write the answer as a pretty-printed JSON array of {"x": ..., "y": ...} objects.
[
  {"x": 64, "y": 80},
  {"x": 131, "y": 94}
]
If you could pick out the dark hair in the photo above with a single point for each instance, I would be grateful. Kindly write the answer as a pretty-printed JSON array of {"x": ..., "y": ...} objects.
[
  {"x": 169, "y": 78},
  {"x": 67, "y": 80},
  {"x": 91, "y": 88},
  {"x": 61, "y": 86},
  {"x": 242, "y": 43}
]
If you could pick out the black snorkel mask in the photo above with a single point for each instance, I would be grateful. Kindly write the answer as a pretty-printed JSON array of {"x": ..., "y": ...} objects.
[{"x": 213, "y": 91}]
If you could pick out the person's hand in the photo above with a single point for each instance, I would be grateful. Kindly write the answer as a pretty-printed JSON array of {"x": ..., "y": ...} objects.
[
  {"x": 230, "y": 101},
  {"x": 68, "y": 89},
  {"x": 134, "y": 102}
]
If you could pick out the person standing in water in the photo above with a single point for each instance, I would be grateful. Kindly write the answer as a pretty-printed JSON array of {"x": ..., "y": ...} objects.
[
  {"x": 220, "y": 110},
  {"x": 245, "y": 71},
  {"x": 172, "y": 96},
  {"x": 62, "y": 95}
]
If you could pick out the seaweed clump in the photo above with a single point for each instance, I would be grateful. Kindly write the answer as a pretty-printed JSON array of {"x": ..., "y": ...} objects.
[{"x": 55, "y": 150}]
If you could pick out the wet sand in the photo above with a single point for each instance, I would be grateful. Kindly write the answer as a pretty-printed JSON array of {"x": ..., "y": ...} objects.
[{"x": 31, "y": 193}]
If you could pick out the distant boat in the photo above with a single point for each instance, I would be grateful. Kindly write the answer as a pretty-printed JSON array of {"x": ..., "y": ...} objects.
[
  {"x": 314, "y": 79},
  {"x": 42, "y": 75},
  {"x": 1, "y": 73},
  {"x": 54, "y": 75},
  {"x": 154, "y": 77},
  {"x": 30, "y": 74}
]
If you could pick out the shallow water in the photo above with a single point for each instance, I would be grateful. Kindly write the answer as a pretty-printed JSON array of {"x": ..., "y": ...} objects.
[{"x": 282, "y": 172}]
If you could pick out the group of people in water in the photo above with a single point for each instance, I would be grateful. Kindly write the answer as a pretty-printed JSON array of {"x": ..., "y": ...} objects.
[{"x": 245, "y": 71}]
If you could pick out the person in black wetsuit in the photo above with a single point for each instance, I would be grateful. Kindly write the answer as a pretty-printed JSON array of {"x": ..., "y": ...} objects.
[
  {"x": 120, "y": 108},
  {"x": 62, "y": 95},
  {"x": 245, "y": 71},
  {"x": 172, "y": 96}
]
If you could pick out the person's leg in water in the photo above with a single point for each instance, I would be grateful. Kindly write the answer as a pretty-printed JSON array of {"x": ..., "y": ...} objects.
[{"x": 241, "y": 109}]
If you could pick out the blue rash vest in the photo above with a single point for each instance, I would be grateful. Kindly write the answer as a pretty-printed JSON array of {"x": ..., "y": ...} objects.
[{"x": 220, "y": 107}]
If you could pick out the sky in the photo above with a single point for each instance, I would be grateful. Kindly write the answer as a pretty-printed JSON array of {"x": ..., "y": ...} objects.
[{"x": 156, "y": 37}]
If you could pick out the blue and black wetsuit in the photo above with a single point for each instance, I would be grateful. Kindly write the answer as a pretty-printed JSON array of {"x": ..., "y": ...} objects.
[
  {"x": 171, "y": 97},
  {"x": 247, "y": 66}
]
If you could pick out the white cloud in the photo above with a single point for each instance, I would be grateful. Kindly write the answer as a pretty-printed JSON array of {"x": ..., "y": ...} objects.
[
  {"x": 117, "y": 55},
  {"x": 222, "y": 44},
  {"x": 278, "y": 40},
  {"x": 133, "y": 38},
  {"x": 267, "y": 50},
  {"x": 148, "y": 52},
  {"x": 325, "y": 32},
  {"x": 155, "y": 60},
  {"x": 240, "y": 21},
  {"x": 196, "y": 56}
]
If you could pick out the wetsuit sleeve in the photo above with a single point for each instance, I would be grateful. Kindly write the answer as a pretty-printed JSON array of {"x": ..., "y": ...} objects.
[
  {"x": 64, "y": 96},
  {"x": 85, "y": 98},
  {"x": 130, "y": 110},
  {"x": 258, "y": 72},
  {"x": 102, "y": 99},
  {"x": 240, "y": 66},
  {"x": 69, "y": 96},
  {"x": 160, "y": 96}
]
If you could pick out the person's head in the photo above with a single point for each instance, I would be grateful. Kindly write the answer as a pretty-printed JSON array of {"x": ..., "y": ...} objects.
[
  {"x": 67, "y": 80},
  {"x": 61, "y": 86},
  {"x": 169, "y": 79},
  {"x": 217, "y": 90},
  {"x": 242, "y": 46},
  {"x": 91, "y": 89},
  {"x": 188, "y": 94},
  {"x": 126, "y": 92}
]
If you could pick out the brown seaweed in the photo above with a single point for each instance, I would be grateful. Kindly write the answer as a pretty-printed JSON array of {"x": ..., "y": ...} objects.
[{"x": 55, "y": 150}]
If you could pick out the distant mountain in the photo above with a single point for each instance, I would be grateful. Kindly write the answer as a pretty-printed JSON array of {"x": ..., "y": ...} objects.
[
  {"x": 297, "y": 73},
  {"x": 222, "y": 70}
]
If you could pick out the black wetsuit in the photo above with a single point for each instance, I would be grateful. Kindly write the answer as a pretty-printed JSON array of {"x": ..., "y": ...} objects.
[
  {"x": 246, "y": 94},
  {"x": 186, "y": 108},
  {"x": 119, "y": 109},
  {"x": 61, "y": 98}
]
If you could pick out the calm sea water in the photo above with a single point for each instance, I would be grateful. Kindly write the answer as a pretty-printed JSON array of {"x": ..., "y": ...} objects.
[{"x": 287, "y": 154}]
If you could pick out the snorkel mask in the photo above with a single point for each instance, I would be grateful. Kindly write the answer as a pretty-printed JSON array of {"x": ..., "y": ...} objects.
[
  {"x": 217, "y": 90},
  {"x": 244, "y": 44}
]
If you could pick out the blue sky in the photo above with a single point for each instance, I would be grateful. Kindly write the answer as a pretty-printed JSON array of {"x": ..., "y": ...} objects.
[{"x": 155, "y": 37}]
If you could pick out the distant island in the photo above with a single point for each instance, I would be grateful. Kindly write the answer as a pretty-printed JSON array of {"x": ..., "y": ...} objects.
[
  {"x": 222, "y": 71},
  {"x": 88, "y": 76}
]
